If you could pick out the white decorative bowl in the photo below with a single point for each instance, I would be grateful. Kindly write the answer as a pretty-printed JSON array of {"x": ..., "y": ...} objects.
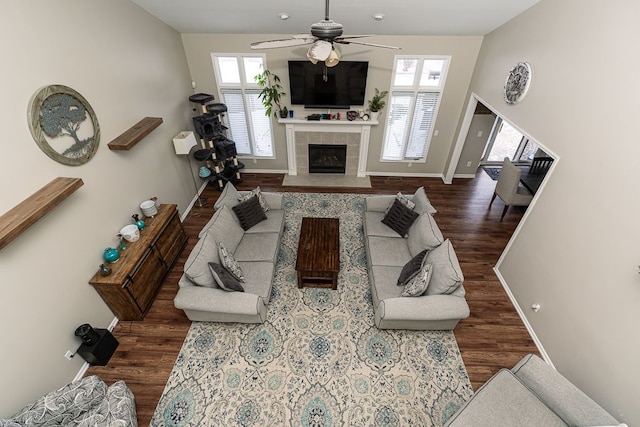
[
  {"x": 148, "y": 208},
  {"x": 131, "y": 233}
]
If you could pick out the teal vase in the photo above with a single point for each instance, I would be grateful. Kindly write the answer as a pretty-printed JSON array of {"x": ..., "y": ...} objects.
[
  {"x": 139, "y": 223},
  {"x": 111, "y": 255}
]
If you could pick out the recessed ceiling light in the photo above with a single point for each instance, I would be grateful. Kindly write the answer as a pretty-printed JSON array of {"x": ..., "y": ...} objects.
[
  {"x": 378, "y": 16},
  {"x": 284, "y": 16}
]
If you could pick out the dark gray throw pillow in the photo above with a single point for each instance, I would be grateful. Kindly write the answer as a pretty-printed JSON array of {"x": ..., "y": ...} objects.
[
  {"x": 399, "y": 218},
  {"x": 224, "y": 279},
  {"x": 249, "y": 213},
  {"x": 411, "y": 268}
]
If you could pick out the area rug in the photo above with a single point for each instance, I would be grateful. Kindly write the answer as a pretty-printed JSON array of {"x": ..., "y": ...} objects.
[
  {"x": 318, "y": 360},
  {"x": 494, "y": 173}
]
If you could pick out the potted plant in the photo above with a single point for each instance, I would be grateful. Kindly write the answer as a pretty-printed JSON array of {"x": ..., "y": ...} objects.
[
  {"x": 377, "y": 103},
  {"x": 271, "y": 93}
]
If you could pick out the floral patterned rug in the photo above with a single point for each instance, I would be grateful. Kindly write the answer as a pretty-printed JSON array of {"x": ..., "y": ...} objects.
[{"x": 318, "y": 360}]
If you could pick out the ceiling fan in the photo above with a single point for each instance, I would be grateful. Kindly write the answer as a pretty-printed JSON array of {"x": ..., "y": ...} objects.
[{"x": 322, "y": 38}]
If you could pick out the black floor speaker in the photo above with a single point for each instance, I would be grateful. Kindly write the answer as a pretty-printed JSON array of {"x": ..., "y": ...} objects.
[{"x": 101, "y": 351}]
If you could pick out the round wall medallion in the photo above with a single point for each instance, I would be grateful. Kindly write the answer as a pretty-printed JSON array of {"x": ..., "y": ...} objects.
[
  {"x": 517, "y": 84},
  {"x": 64, "y": 125}
]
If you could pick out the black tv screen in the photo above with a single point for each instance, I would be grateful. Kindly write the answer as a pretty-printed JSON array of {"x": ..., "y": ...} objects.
[{"x": 343, "y": 87}]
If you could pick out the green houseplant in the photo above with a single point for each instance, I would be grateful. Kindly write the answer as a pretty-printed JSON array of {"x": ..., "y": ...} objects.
[
  {"x": 271, "y": 93},
  {"x": 377, "y": 102}
]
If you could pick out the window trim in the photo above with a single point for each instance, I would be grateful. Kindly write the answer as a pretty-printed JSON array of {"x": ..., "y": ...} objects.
[
  {"x": 415, "y": 89},
  {"x": 242, "y": 87}
]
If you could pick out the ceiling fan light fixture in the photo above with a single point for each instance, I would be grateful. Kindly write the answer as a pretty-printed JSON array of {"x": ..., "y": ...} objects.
[
  {"x": 284, "y": 16},
  {"x": 319, "y": 51},
  {"x": 333, "y": 59},
  {"x": 378, "y": 16}
]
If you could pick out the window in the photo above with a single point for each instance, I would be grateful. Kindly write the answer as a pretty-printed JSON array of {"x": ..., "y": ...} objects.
[
  {"x": 416, "y": 86},
  {"x": 248, "y": 126}
]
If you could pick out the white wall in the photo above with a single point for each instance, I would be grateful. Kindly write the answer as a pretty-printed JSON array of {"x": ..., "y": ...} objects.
[
  {"x": 463, "y": 50},
  {"x": 577, "y": 254},
  {"x": 127, "y": 65}
]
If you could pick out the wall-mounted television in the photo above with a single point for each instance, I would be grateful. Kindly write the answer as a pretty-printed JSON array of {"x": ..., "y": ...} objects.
[{"x": 343, "y": 87}]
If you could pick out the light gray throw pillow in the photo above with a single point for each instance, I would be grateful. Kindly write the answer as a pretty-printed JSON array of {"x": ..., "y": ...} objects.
[{"x": 447, "y": 274}]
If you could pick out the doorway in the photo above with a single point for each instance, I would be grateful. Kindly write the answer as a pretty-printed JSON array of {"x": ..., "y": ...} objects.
[{"x": 506, "y": 141}]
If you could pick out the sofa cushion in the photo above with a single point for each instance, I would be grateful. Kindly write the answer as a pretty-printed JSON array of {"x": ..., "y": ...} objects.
[
  {"x": 249, "y": 212},
  {"x": 196, "y": 267},
  {"x": 424, "y": 234},
  {"x": 385, "y": 251},
  {"x": 411, "y": 268},
  {"x": 224, "y": 227},
  {"x": 224, "y": 279},
  {"x": 399, "y": 218},
  {"x": 382, "y": 278},
  {"x": 417, "y": 285},
  {"x": 258, "y": 193},
  {"x": 447, "y": 275},
  {"x": 229, "y": 196},
  {"x": 422, "y": 202},
  {"x": 229, "y": 262},
  {"x": 373, "y": 225},
  {"x": 503, "y": 401},
  {"x": 273, "y": 224},
  {"x": 258, "y": 278},
  {"x": 258, "y": 247}
]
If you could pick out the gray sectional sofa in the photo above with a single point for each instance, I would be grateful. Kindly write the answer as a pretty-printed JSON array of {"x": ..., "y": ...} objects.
[
  {"x": 443, "y": 304},
  {"x": 256, "y": 251},
  {"x": 530, "y": 394}
]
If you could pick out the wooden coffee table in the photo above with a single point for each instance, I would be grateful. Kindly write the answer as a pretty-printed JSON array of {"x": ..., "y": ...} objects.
[{"x": 318, "y": 261}]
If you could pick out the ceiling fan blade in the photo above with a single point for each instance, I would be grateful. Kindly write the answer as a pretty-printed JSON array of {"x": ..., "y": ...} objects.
[
  {"x": 368, "y": 44},
  {"x": 355, "y": 36},
  {"x": 274, "y": 44}
]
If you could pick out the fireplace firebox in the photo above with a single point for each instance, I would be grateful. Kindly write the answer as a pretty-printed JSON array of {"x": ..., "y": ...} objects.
[{"x": 324, "y": 158}]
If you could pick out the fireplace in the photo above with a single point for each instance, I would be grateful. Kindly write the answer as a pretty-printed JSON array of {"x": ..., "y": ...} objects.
[{"x": 325, "y": 158}]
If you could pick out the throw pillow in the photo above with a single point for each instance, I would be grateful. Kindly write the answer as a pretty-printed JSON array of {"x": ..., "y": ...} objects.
[
  {"x": 447, "y": 274},
  {"x": 225, "y": 279},
  {"x": 411, "y": 268},
  {"x": 249, "y": 213},
  {"x": 195, "y": 267},
  {"x": 419, "y": 283},
  {"x": 399, "y": 218},
  {"x": 256, "y": 192},
  {"x": 402, "y": 199},
  {"x": 229, "y": 262}
]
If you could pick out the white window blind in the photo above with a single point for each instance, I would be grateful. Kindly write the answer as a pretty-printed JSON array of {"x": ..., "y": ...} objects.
[
  {"x": 423, "y": 116},
  {"x": 417, "y": 83},
  {"x": 248, "y": 126}
]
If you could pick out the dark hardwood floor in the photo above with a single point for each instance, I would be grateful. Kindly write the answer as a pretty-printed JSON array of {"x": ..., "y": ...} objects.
[{"x": 491, "y": 338}]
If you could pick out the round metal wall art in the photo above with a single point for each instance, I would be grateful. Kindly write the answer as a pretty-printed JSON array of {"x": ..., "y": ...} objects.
[
  {"x": 518, "y": 82},
  {"x": 64, "y": 125}
]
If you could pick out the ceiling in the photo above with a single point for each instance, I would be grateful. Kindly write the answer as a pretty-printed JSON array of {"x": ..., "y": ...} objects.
[{"x": 402, "y": 17}]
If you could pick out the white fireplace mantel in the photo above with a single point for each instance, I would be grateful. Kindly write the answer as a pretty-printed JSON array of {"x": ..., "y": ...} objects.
[{"x": 345, "y": 126}]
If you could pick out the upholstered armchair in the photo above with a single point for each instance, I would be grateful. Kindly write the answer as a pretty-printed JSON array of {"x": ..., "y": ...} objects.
[{"x": 508, "y": 187}]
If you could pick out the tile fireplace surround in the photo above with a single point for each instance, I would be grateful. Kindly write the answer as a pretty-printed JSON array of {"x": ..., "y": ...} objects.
[{"x": 301, "y": 133}]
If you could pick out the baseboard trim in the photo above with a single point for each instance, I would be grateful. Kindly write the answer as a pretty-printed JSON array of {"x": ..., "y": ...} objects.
[
  {"x": 465, "y": 175},
  {"x": 524, "y": 319},
  {"x": 407, "y": 174}
]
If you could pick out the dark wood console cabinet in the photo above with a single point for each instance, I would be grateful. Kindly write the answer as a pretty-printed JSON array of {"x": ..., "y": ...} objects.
[{"x": 136, "y": 277}]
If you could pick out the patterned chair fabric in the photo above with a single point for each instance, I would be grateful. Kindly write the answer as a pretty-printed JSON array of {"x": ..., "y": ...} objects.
[{"x": 84, "y": 403}]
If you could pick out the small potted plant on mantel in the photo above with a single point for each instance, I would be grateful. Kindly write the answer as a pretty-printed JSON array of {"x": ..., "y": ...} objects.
[
  {"x": 271, "y": 93},
  {"x": 377, "y": 103}
]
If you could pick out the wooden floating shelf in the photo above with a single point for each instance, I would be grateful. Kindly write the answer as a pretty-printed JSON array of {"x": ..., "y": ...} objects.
[
  {"x": 29, "y": 211},
  {"x": 131, "y": 137}
]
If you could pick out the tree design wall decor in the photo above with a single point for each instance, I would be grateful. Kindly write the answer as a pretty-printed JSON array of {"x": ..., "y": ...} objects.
[{"x": 64, "y": 125}]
